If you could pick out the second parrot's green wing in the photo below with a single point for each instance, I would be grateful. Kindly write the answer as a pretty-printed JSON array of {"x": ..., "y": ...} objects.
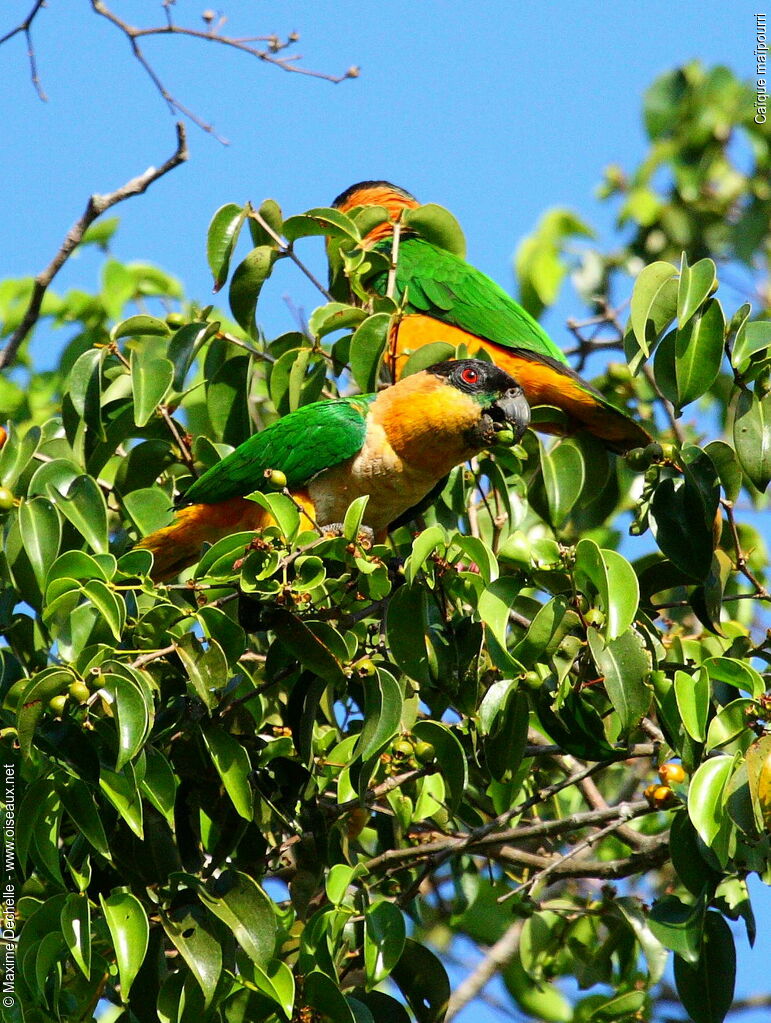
[
  {"x": 440, "y": 284},
  {"x": 300, "y": 445}
]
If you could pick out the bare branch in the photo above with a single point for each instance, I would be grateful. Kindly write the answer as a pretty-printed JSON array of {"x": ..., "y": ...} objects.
[
  {"x": 26, "y": 28},
  {"x": 97, "y": 205},
  {"x": 287, "y": 249},
  {"x": 268, "y": 56},
  {"x": 499, "y": 955}
]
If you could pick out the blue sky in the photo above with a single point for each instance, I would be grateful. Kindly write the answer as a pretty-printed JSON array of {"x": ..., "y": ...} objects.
[{"x": 496, "y": 110}]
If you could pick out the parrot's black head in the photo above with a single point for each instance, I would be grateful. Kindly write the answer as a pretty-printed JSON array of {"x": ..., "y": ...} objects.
[{"x": 500, "y": 399}]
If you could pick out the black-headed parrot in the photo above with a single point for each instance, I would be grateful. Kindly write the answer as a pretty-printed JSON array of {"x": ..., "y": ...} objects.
[
  {"x": 394, "y": 446},
  {"x": 444, "y": 298}
]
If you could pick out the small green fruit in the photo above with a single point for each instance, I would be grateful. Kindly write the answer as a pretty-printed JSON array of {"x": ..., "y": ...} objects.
[
  {"x": 7, "y": 500},
  {"x": 276, "y": 479},
  {"x": 532, "y": 680},
  {"x": 594, "y": 618},
  {"x": 505, "y": 437},
  {"x": 58, "y": 704},
  {"x": 654, "y": 451},
  {"x": 668, "y": 452},
  {"x": 402, "y": 749},
  {"x": 424, "y": 752},
  {"x": 79, "y": 691},
  {"x": 638, "y": 459}
]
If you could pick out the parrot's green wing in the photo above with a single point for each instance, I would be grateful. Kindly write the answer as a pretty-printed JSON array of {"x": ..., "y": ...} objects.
[
  {"x": 300, "y": 445},
  {"x": 447, "y": 288}
]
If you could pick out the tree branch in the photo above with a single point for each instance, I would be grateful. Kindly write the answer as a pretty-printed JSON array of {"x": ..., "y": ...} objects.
[
  {"x": 26, "y": 27},
  {"x": 97, "y": 205}
]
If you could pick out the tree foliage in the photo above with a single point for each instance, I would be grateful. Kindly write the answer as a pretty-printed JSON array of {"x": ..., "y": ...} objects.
[{"x": 276, "y": 789}]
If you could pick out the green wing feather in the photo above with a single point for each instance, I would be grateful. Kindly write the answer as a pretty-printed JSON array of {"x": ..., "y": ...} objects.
[
  {"x": 448, "y": 288},
  {"x": 301, "y": 445}
]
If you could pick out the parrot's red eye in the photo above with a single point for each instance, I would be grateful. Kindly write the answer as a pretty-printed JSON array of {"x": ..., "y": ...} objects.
[{"x": 469, "y": 376}]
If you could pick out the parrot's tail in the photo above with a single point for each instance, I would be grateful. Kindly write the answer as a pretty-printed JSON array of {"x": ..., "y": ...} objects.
[{"x": 176, "y": 546}]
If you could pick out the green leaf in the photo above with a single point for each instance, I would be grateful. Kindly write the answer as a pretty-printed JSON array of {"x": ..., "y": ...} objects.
[
  {"x": 650, "y": 296},
  {"x": 480, "y": 555},
  {"x": 705, "y": 797},
  {"x": 85, "y": 388},
  {"x": 246, "y": 911},
  {"x": 697, "y": 282},
  {"x": 79, "y": 803},
  {"x": 692, "y": 693},
  {"x": 140, "y": 326},
  {"x": 199, "y": 941},
  {"x": 450, "y": 755},
  {"x": 406, "y": 627},
  {"x": 122, "y": 790},
  {"x": 563, "y": 478},
  {"x": 615, "y": 582},
  {"x": 427, "y": 355},
  {"x": 133, "y": 711},
  {"x": 541, "y": 631},
  {"x": 207, "y": 668},
  {"x": 735, "y": 673},
  {"x": 505, "y": 715},
  {"x": 109, "y": 605},
  {"x": 151, "y": 378},
  {"x": 334, "y": 316},
  {"x": 751, "y": 338},
  {"x": 423, "y": 981},
  {"x": 85, "y": 507},
  {"x": 76, "y": 928},
  {"x": 625, "y": 664},
  {"x": 707, "y": 988},
  {"x": 726, "y": 463},
  {"x": 752, "y": 436},
  {"x": 221, "y": 239},
  {"x": 41, "y": 532},
  {"x": 424, "y": 545},
  {"x": 247, "y": 282},
  {"x": 34, "y": 699},
  {"x": 320, "y": 221},
  {"x": 383, "y": 704},
  {"x": 130, "y": 931},
  {"x": 438, "y": 226},
  {"x": 494, "y": 605},
  {"x": 233, "y": 766},
  {"x": 698, "y": 354},
  {"x": 323, "y": 995},
  {"x": 17, "y": 453},
  {"x": 678, "y": 925},
  {"x": 384, "y": 938},
  {"x": 368, "y": 346}
]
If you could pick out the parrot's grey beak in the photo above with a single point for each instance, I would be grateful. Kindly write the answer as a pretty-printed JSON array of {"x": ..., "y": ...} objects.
[{"x": 511, "y": 411}]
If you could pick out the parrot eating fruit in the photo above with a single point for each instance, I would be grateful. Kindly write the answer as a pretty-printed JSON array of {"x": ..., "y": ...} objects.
[{"x": 394, "y": 446}]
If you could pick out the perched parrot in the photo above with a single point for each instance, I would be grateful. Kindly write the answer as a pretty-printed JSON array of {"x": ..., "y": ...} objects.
[
  {"x": 394, "y": 446},
  {"x": 447, "y": 299}
]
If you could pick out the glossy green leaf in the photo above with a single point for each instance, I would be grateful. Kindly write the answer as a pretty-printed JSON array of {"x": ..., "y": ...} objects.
[
  {"x": 151, "y": 378},
  {"x": 122, "y": 790},
  {"x": 320, "y": 221},
  {"x": 706, "y": 988},
  {"x": 368, "y": 346},
  {"x": 383, "y": 704},
  {"x": 41, "y": 533},
  {"x": 751, "y": 338},
  {"x": 726, "y": 463},
  {"x": 735, "y": 673},
  {"x": 697, "y": 282},
  {"x": 246, "y": 284},
  {"x": 424, "y": 545},
  {"x": 423, "y": 981},
  {"x": 427, "y": 355},
  {"x": 324, "y": 996},
  {"x": 650, "y": 290},
  {"x": 34, "y": 697},
  {"x": 17, "y": 454},
  {"x": 109, "y": 605},
  {"x": 494, "y": 606},
  {"x": 80, "y": 805},
  {"x": 232, "y": 763},
  {"x": 406, "y": 626},
  {"x": 85, "y": 507},
  {"x": 133, "y": 712},
  {"x": 752, "y": 436},
  {"x": 334, "y": 316},
  {"x": 563, "y": 478},
  {"x": 206, "y": 668},
  {"x": 545, "y": 625},
  {"x": 692, "y": 693},
  {"x": 277, "y": 982},
  {"x": 615, "y": 582},
  {"x": 221, "y": 238},
  {"x": 76, "y": 928},
  {"x": 625, "y": 665},
  {"x": 731, "y": 723},
  {"x": 505, "y": 716},
  {"x": 384, "y": 938},
  {"x": 247, "y": 912},
  {"x": 85, "y": 391},
  {"x": 129, "y": 929},
  {"x": 698, "y": 354},
  {"x": 193, "y": 932},
  {"x": 705, "y": 796},
  {"x": 438, "y": 226},
  {"x": 140, "y": 326},
  {"x": 678, "y": 925}
]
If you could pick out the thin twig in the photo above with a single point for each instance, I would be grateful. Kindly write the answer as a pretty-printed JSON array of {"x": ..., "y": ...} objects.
[
  {"x": 26, "y": 27},
  {"x": 184, "y": 448},
  {"x": 394, "y": 259},
  {"x": 741, "y": 562},
  {"x": 97, "y": 205},
  {"x": 498, "y": 956},
  {"x": 132, "y": 34},
  {"x": 287, "y": 249},
  {"x": 674, "y": 423}
]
